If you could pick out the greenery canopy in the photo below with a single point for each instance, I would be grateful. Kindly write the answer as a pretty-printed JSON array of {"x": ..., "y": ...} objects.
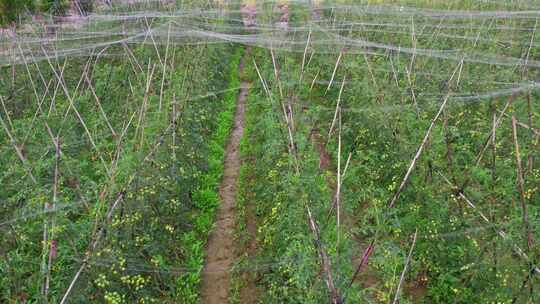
[{"x": 195, "y": 151}]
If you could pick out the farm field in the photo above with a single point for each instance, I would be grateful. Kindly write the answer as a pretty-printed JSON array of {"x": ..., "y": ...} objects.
[{"x": 242, "y": 151}]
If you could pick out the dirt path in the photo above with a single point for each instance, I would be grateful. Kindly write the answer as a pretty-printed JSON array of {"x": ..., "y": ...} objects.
[{"x": 220, "y": 249}]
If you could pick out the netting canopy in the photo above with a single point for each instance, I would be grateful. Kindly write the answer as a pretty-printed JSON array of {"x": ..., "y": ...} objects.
[{"x": 371, "y": 151}]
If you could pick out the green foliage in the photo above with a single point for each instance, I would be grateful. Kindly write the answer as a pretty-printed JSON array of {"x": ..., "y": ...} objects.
[
  {"x": 55, "y": 7},
  {"x": 164, "y": 159},
  {"x": 458, "y": 257},
  {"x": 206, "y": 198},
  {"x": 170, "y": 190},
  {"x": 10, "y": 10}
]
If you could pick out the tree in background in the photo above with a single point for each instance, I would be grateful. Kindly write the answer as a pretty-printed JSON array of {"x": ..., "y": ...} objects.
[
  {"x": 11, "y": 9},
  {"x": 54, "y": 7},
  {"x": 84, "y": 6}
]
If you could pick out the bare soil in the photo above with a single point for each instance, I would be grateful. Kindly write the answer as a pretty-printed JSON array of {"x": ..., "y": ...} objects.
[{"x": 221, "y": 243}]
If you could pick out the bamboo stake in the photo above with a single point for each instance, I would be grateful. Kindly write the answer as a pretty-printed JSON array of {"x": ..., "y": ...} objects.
[
  {"x": 486, "y": 143},
  {"x": 314, "y": 80},
  {"x": 164, "y": 67},
  {"x": 276, "y": 73},
  {"x": 55, "y": 92},
  {"x": 93, "y": 246},
  {"x": 149, "y": 32},
  {"x": 310, "y": 58},
  {"x": 413, "y": 39},
  {"x": 288, "y": 112},
  {"x": 501, "y": 233},
  {"x": 37, "y": 112},
  {"x": 292, "y": 149},
  {"x": 337, "y": 109},
  {"x": 132, "y": 57},
  {"x": 98, "y": 102},
  {"x": 79, "y": 117},
  {"x": 530, "y": 45},
  {"x": 521, "y": 187},
  {"x": 325, "y": 261},
  {"x": 535, "y": 131},
  {"x": 413, "y": 95},
  {"x": 304, "y": 57},
  {"x": 402, "y": 278},
  {"x": 368, "y": 65},
  {"x": 99, "y": 232},
  {"x": 338, "y": 192},
  {"x": 394, "y": 74},
  {"x": 493, "y": 182},
  {"x": 144, "y": 106},
  {"x": 346, "y": 166},
  {"x": 363, "y": 262},
  {"x": 174, "y": 132},
  {"x": 422, "y": 145},
  {"x": 75, "y": 94},
  {"x": 6, "y": 112},
  {"x": 523, "y": 285},
  {"x": 34, "y": 87},
  {"x": 334, "y": 73},
  {"x": 18, "y": 149},
  {"x": 335, "y": 298},
  {"x": 530, "y": 157},
  {"x": 52, "y": 245}
]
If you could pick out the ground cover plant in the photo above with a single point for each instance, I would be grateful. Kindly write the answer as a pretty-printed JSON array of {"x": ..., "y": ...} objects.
[{"x": 270, "y": 152}]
